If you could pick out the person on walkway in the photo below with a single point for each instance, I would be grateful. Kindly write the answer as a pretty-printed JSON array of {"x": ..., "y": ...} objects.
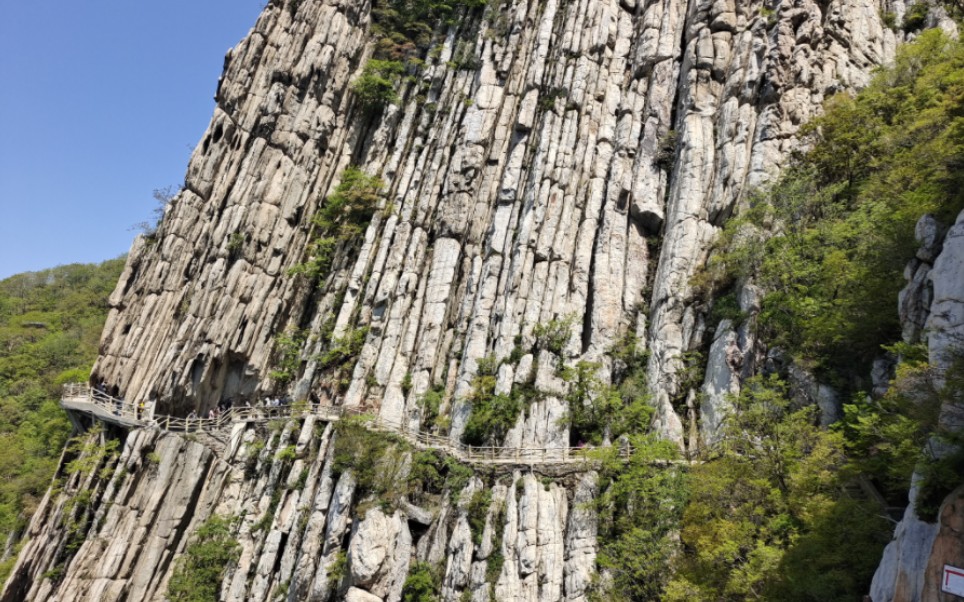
[{"x": 192, "y": 415}]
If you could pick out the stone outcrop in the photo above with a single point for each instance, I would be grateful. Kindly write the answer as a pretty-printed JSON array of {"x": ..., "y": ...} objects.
[{"x": 912, "y": 565}]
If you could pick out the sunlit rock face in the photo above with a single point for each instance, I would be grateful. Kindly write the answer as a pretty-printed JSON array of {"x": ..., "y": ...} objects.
[{"x": 551, "y": 162}]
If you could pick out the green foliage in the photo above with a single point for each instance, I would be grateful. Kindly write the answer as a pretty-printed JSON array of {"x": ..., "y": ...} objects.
[
  {"x": 352, "y": 204},
  {"x": 198, "y": 573},
  {"x": 423, "y": 583},
  {"x": 89, "y": 451},
  {"x": 598, "y": 412},
  {"x": 236, "y": 244},
  {"x": 916, "y": 16},
  {"x": 287, "y": 354},
  {"x": 939, "y": 477},
  {"x": 287, "y": 454},
  {"x": 845, "y": 212},
  {"x": 431, "y": 403},
  {"x": 889, "y": 19},
  {"x": 433, "y": 472},
  {"x": 726, "y": 307},
  {"x": 464, "y": 58},
  {"x": 890, "y": 438},
  {"x": 639, "y": 514},
  {"x": 496, "y": 560},
  {"x": 338, "y": 569},
  {"x": 163, "y": 197},
  {"x": 548, "y": 98},
  {"x": 666, "y": 150},
  {"x": 769, "y": 517},
  {"x": 344, "y": 216},
  {"x": 50, "y": 324},
  {"x": 477, "y": 511},
  {"x": 264, "y": 523},
  {"x": 342, "y": 352},
  {"x": 375, "y": 87},
  {"x": 885, "y": 437},
  {"x": 375, "y": 459},
  {"x": 404, "y": 27},
  {"x": 492, "y": 414},
  {"x": 553, "y": 335}
]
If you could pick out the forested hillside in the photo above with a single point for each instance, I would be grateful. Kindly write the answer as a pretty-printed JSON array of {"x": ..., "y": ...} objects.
[
  {"x": 784, "y": 509},
  {"x": 50, "y": 323}
]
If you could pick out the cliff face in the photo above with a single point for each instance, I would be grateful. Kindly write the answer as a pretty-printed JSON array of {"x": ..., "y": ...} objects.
[
  {"x": 524, "y": 184},
  {"x": 531, "y": 179},
  {"x": 301, "y": 531}
]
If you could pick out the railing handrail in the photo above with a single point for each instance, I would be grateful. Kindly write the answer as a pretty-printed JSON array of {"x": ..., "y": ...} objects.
[{"x": 135, "y": 412}]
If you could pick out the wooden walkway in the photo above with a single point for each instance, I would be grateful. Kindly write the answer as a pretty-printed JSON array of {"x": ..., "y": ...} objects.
[{"x": 127, "y": 414}]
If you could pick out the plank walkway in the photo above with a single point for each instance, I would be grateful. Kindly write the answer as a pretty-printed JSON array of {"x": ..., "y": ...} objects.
[{"x": 127, "y": 414}]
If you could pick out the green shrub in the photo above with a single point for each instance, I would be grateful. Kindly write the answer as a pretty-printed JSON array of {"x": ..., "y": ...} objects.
[
  {"x": 423, "y": 583},
  {"x": 666, "y": 151},
  {"x": 434, "y": 472},
  {"x": 404, "y": 27},
  {"x": 198, "y": 573},
  {"x": 431, "y": 403},
  {"x": 376, "y": 460},
  {"x": 287, "y": 454},
  {"x": 343, "y": 216},
  {"x": 492, "y": 414},
  {"x": 338, "y": 569},
  {"x": 597, "y": 411},
  {"x": 639, "y": 511},
  {"x": 916, "y": 16},
  {"x": 889, "y": 19},
  {"x": 287, "y": 356},
  {"x": 769, "y": 516},
  {"x": 342, "y": 352},
  {"x": 845, "y": 211},
  {"x": 553, "y": 335},
  {"x": 375, "y": 87},
  {"x": 477, "y": 511}
]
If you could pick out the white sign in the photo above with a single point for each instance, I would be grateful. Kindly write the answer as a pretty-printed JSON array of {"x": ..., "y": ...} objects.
[{"x": 953, "y": 580}]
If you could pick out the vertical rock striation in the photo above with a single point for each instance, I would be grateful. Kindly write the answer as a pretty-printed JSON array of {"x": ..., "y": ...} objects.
[
  {"x": 551, "y": 162},
  {"x": 535, "y": 178}
]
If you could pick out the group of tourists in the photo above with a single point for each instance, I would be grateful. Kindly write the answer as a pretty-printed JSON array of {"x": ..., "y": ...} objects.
[
  {"x": 213, "y": 413},
  {"x": 275, "y": 402},
  {"x": 113, "y": 391},
  {"x": 224, "y": 406}
]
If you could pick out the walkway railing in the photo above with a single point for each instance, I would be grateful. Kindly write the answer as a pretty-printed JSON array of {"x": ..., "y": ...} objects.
[{"x": 83, "y": 398}]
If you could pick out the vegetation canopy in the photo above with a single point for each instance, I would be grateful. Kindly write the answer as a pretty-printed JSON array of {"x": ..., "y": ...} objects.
[{"x": 50, "y": 324}]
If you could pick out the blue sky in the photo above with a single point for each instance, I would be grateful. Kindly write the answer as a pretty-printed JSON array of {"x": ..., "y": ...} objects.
[{"x": 101, "y": 102}]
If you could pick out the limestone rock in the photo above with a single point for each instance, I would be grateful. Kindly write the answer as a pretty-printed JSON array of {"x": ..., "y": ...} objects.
[
  {"x": 721, "y": 381},
  {"x": 574, "y": 168}
]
